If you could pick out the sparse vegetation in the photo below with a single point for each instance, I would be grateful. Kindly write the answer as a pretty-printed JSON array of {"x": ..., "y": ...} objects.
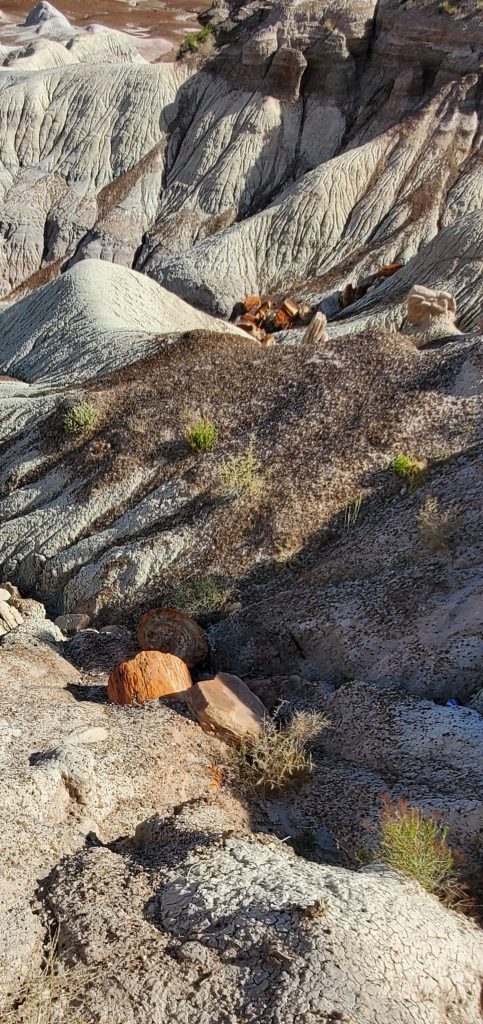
[
  {"x": 411, "y": 470},
  {"x": 81, "y": 420},
  {"x": 277, "y": 759},
  {"x": 448, "y": 8},
  {"x": 352, "y": 510},
  {"x": 241, "y": 474},
  {"x": 329, "y": 25},
  {"x": 437, "y": 526},
  {"x": 50, "y": 996},
  {"x": 194, "y": 40},
  {"x": 201, "y": 435},
  {"x": 416, "y": 846},
  {"x": 198, "y": 595}
]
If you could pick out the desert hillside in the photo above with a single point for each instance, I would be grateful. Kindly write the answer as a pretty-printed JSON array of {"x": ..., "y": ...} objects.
[{"x": 241, "y": 467}]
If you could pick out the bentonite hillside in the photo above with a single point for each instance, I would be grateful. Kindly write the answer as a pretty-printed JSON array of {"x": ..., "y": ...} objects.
[{"x": 240, "y": 511}]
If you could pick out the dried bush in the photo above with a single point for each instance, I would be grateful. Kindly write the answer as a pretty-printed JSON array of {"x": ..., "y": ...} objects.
[
  {"x": 436, "y": 526},
  {"x": 277, "y": 759},
  {"x": 241, "y": 474},
  {"x": 82, "y": 420},
  {"x": 198, "y": 595},
  {"x": 201, "y": 435},
  {"x": 50, "y": 997}
]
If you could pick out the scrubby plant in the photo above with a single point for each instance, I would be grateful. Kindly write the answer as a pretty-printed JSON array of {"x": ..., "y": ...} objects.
[
  {"x": 415, "y": 845},
  {"x": 328, "y": 25},
  {"x": 436, "y": 526},
  {"x": 81, "y": 420},
  {"x": 411, "y": 470},
  {"x": 192, "y": 42},
  {"x": 278, "y": 758},
  {"x": 241, "y": 474},
  {"x": 201, "y": 435},
  {"x": 198, "y": 595},
  {"x": 50, "y": 995},
  {"x": 448, "y": 8},
  {"x": 351, "y": 512}
]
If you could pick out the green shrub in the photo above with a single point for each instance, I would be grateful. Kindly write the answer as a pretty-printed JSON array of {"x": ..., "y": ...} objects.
[
  {"x": 201, "y": 435},
  {"x": 241, "y": 474},
  {"x": 275, "y": 759},
  {"x": 448, "y": 8},
  {"x": 416, "y": 846},
  {"x": 408, "y": 469},
  {"x": 193, "y": 41},
  {"x": 199, "y": 595},
  {"x": 83, "y": 419}
]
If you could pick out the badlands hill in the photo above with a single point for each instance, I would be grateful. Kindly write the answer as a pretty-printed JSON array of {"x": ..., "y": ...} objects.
[{"x": 329, "y": 541}]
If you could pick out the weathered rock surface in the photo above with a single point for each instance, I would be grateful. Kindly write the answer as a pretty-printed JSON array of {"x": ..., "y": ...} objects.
[
  {"x": 271, "y": 935},
  {"x": 227, "y": 707},
  {"x": 430, "y": 314}
]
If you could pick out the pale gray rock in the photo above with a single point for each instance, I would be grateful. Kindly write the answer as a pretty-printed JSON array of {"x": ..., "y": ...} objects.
[
  {"x": 97, "y": 315},
  {"x": 266, "y": 932}
]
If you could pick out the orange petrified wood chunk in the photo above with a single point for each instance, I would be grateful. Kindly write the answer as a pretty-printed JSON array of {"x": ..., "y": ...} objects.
[{"x": 148, "y": 676}]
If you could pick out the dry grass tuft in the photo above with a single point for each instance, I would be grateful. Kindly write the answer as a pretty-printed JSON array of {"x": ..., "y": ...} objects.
[
  {"x": 277, "y": 759},
  {"x": 241, "y": 475},
  {"x": 436, "y": 526},
  {"x": 198, "y": 595},
  {"x": 50, "y": 997}
]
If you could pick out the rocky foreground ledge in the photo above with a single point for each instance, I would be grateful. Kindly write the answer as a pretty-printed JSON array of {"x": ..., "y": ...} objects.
[{"x": 240, "y": 377}]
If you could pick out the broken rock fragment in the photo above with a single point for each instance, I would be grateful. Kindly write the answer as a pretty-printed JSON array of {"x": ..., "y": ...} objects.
[
  {"x": 71, "y": 624},
  {"x": 430, "y": 314},
  {"x": 147, "y": 676},
  {"x": 226, "y": 706}
]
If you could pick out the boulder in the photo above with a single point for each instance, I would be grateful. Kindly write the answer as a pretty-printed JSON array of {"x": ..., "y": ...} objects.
[
  {"x": 4, "y": 594},
  {"x": 151, "y": 674},
  {"x": 227, "y": 707},
  {"x": 165, "y": 629},
  {"x": 430, "y": 314},
  {"x": 71, "y": 624}
]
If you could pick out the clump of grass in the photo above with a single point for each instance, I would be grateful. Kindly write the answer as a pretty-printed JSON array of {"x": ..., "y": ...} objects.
[
  {"x": 50, "y": 996},
  {"x": 351, "y": 512},
  {"x": 416, "y": 846},
  {"x": 81, "y": 420},
  {"x": 241, "y": 474},
  {"x": 197, "y": 596},
  {"x": 448, "y": 8},
  {"x": 193, "y": 41},
  {"x": 436, "y": 526},
  {"x": 201, "y": 435},
  {"x": 329, "y": 25},
  {"x": 276, "y": 759},
  {"x": 411, "y": 470}
]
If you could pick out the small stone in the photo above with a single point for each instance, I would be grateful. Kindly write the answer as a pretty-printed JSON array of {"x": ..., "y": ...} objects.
[
  {"x": 227, "y": 707},
  {"x": 4, "y": 595},
  {"x": 14, "y": 592},
  {"x": 94, "y": 734},
  {"x": 71, "y": 624},
  {"x": 119, "y": 631}
]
